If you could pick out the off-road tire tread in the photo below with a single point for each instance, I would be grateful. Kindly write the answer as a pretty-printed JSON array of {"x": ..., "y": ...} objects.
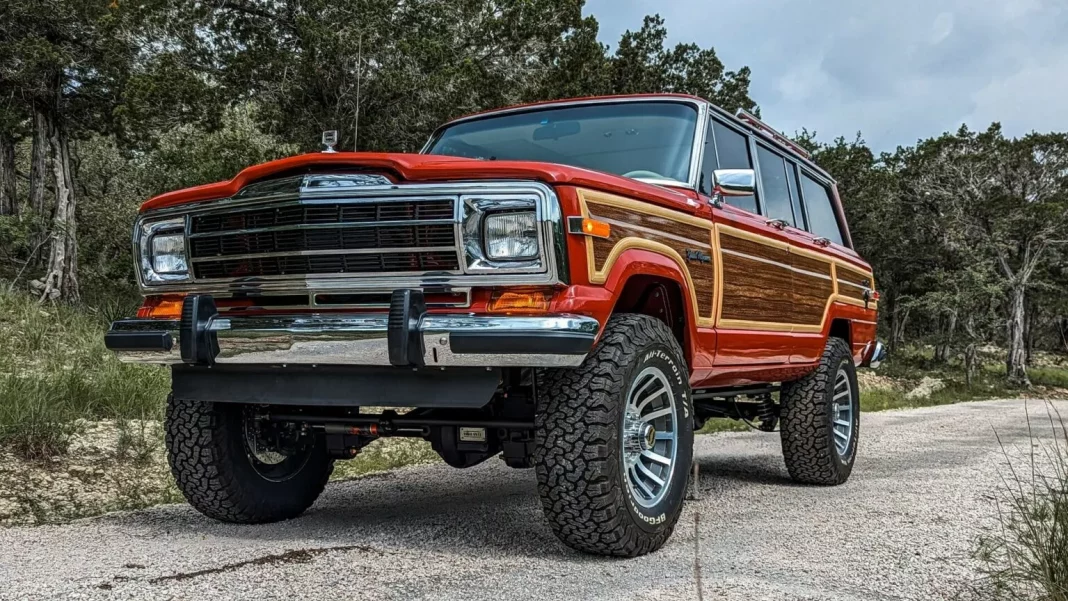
[
  {"x": 202, "y": 460},
  {"x": 574, "y": 425},
  {"x": 807, "y": 444}
]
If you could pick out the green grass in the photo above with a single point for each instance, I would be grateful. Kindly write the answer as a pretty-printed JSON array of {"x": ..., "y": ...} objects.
[
  {"x": 723, "y": 424},
  {"x": 883, "y": 399},
  {"x": 384, "y": 455},
  {"x": 1048, "y": 376},
  {"x": 54, "y": 371}
]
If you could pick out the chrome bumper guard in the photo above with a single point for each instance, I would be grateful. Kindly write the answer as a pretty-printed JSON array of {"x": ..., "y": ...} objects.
[
  {"x": 874, "y": 357},
  {"x": 407, "y": 336}
]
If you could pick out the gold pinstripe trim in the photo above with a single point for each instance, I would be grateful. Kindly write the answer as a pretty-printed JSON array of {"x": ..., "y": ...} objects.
[{"x": 587, "y": 197}]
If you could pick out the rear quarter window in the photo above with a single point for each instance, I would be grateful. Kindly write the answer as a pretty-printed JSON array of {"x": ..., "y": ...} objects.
[{"x": 822, "y": 219}]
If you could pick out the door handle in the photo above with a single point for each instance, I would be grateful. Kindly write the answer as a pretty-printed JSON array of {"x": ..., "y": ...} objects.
[
  {"x": 822, "y": 241},
  {"x": 779, "y": 224}
]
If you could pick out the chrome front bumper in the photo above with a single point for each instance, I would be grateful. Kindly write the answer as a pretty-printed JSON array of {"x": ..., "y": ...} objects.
[{"x": 323, "y": 339}]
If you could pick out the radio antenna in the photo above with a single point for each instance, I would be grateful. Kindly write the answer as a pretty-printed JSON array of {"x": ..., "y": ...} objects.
[{"x": 359, "y": 70}]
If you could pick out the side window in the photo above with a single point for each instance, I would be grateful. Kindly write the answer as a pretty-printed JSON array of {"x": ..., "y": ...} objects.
[
  {"x": 774, "y": 186},
  {"x": 823, "y": 221},
  {"x": 732, "y": 151}
]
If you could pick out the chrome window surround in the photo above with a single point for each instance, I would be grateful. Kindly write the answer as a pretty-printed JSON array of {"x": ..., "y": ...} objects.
[
  {"x": 552, "y": 267},
  {"x": 701, "y": 106},
  {"x": 144, "y": 231}
]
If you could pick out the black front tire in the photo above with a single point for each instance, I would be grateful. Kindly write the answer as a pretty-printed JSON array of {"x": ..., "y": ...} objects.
[
  {"x": 578, "y": 442},
  {"x": 807, "y": 420},
  {"x": 211, "y": 463}
]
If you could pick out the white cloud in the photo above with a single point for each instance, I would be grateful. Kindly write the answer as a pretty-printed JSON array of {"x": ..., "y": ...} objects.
[{"x": 897, "y": 71}]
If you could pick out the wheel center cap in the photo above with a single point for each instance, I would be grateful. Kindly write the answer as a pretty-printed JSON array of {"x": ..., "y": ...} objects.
[{"x": 648, "y": 437}]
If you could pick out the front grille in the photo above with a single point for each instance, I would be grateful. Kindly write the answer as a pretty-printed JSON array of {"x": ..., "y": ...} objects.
[{"x": 365, "y": 237}]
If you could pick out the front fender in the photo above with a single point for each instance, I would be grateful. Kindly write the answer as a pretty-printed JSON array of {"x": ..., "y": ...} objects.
[{"x": 599, "y": 298}]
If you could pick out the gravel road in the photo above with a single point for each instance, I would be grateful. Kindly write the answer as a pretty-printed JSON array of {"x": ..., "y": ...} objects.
[{"x": 900, "y": 529}]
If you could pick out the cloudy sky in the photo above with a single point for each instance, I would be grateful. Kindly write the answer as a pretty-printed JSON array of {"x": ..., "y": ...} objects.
[{"x": 894, "y": 70}]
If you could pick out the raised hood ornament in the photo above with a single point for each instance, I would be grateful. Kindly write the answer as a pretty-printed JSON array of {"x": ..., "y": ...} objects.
[{"x": 330, "y": 140}]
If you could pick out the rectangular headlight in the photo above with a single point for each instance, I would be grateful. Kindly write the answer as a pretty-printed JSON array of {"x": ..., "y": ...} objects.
[
  {"x": 511, "y": 236},
  {"x": 168, "y": 254},
  {"x": 160, "y": 249}
]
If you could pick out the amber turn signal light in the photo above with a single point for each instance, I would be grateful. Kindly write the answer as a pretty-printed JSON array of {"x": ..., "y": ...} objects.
[
  {"x": 588, "y": 227},
  {"x": 520, "y": 301},
  {"x": 166, "y": 306}
]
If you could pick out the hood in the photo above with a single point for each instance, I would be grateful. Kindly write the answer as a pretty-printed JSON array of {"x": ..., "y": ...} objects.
[{"x": 422, "y": 168}]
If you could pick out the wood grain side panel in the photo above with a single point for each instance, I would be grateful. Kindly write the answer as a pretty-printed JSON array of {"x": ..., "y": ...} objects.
[
  {"x": 680, "y": 237},
  {"x": 810, "y": 295},
  {"x": 813, "y": 288},
  {"x": 754, "y": 290},
  {"x": 852, "y": 283},
  {"x": 807, "y": 263}
]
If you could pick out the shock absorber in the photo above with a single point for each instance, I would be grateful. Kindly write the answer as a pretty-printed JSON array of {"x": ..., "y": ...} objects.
[{"x": 767, "y": 414}]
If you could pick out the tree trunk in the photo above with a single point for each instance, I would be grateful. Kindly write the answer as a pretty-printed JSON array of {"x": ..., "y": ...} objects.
[
  {"x": 1030, "y": 327},
  {"x": 897, "y": 333},
  {"x": 970, "y": 362},
  {"x": 1017, "y": 361},
  {"x": 9, "y": 202},
  {"x": 39, "y": 161},
  {"x": 61, "y": 279},
  {"x": 947, "y": 328}
]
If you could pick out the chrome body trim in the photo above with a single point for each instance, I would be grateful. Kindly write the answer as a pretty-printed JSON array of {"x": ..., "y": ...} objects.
[
  {"x": 359, "y": 339},
  {"x": 552, "y": 267}
]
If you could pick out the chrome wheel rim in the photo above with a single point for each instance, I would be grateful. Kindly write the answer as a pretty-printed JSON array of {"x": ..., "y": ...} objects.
[
  {"x": 842, "y": 412},
  {"x": 650, "y": 437}
]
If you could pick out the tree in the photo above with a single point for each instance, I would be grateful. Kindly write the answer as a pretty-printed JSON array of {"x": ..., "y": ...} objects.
[
  {"x": 643, "y": 64},
  {"x": 391, "y": 71},
  {"x": 1006, "y": 198},
  {"x": 67, "y": 62}
]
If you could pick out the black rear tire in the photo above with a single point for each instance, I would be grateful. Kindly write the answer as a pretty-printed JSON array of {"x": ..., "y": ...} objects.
[
  {"x": 208, "y": 452},
  {"x": 808, "y": 415},
  {"x": 585, "y": 489}
]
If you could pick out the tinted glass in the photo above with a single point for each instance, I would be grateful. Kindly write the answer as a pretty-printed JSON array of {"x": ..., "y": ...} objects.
[
  {"x": 635, "y": 139},
  {"x": 732, "y": 150},
  {"x": 775, "y": 190},
  {"x": 822, "y": 220}
]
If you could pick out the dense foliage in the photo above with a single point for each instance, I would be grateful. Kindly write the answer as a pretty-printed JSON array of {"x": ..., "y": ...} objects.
[{"x": 104, "y": 103}]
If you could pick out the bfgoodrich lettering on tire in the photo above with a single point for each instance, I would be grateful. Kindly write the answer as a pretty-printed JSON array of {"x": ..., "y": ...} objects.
[
  {"x": 615, "y": 441},
  {"x": 820, "y": 419}
]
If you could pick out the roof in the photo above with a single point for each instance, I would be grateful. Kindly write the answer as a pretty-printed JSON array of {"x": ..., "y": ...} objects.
[{"x": 719, "y": 112}]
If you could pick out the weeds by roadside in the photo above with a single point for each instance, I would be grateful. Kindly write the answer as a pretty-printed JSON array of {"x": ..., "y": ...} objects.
[
  {"x": 1026, "y": 557},
  {"x": 54, "y": 371}
]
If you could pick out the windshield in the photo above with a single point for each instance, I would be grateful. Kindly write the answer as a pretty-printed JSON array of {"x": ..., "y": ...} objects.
[{"x": 651, "y": 140}]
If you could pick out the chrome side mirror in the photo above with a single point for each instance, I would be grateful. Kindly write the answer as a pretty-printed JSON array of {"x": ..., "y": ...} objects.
[{"x": 732, "y": 182}]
